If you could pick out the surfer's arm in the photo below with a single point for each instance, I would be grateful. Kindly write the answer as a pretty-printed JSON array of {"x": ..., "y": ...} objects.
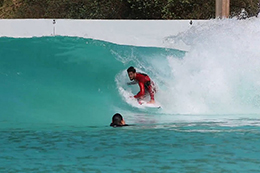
[
  {"x": 141, "y": 92},
  {"x": 131, "y": 83}
]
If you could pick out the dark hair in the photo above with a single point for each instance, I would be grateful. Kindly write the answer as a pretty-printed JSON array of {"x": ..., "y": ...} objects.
[
  {"x": 131, "y": 69},
  {"x": 116, "y": 120}
]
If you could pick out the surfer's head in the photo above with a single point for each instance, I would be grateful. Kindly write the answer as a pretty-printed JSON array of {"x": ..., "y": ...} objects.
[
  {"x": 117, "y": 120},
  {"x": 131, "y": 73}
]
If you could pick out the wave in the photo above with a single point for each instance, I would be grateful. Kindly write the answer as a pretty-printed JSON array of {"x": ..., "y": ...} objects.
[
  {"x": 65, "y": 80},
  {"x": 77, "y": 81}
]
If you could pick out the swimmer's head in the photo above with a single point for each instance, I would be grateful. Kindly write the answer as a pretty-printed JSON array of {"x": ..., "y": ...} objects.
[
  {"x": 131, "y": 73},
  {"x": 117, "y": 120}
]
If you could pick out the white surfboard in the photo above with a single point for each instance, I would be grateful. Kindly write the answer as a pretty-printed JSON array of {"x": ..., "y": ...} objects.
[
  {"x": 128, "y": 97},
  {"x": 148, "y": 105}
]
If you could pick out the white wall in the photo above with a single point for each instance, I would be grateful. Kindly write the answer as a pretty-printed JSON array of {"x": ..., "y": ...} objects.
[
  {"x": 25, "y": 28},
  {"x": 130, "y": 32}
]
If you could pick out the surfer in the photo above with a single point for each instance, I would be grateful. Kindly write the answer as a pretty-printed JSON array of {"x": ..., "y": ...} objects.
[
  {"x": 145, "y": 84},
  {"x": 118, "y": 121}
]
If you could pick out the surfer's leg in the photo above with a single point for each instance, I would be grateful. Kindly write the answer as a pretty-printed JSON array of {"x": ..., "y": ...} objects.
[
  {"x": 151, "y": 92},
  {"x": 153, "y": 87}
]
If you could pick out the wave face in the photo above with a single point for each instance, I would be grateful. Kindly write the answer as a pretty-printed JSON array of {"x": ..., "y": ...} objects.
[
  {"x": 77, "y": 81},
  {"x": 65, "y": 80}
]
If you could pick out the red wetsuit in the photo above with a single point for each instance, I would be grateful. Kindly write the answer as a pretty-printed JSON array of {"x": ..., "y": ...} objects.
[{"x": 145, "y": 84}]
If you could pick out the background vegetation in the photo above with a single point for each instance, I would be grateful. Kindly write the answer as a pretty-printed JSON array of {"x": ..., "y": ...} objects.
[{"x": 120, "y": 9}]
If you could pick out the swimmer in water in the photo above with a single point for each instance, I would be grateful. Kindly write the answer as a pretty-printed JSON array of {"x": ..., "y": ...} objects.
[{"x": 118, "y": 121}]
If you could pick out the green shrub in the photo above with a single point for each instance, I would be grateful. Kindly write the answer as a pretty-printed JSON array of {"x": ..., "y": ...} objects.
[{"x": 120, "y": 9}]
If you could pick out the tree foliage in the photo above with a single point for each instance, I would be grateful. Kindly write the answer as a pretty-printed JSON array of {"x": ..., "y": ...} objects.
[{"x": 120, "y": 9}]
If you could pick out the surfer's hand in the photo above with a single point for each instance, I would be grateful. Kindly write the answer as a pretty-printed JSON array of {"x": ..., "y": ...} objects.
[{"x": 139, "y": 101}]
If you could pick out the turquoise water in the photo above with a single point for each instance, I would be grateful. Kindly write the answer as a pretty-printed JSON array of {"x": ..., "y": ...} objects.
[
  {"x": 58, "y": 95},
  {"x": 165, "y": 148},
  {"x": 64, "y": 81}
]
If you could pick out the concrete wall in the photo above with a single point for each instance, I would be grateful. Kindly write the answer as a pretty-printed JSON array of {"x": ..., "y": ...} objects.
[{"x": 130, "y": 32}]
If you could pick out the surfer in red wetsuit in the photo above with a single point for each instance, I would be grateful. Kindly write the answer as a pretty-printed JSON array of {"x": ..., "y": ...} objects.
[{"x": 145, "y": 84}]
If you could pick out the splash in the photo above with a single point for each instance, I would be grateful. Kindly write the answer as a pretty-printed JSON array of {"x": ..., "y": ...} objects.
[{"x": 220, "y": 74}]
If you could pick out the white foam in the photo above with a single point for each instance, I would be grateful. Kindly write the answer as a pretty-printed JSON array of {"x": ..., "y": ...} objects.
[
  {"x": 126, "y": 92},
  {"x": 220, "y": 73}
]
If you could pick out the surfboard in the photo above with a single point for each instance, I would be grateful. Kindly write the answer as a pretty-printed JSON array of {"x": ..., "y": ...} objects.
[{"x": 148, "y": 105}]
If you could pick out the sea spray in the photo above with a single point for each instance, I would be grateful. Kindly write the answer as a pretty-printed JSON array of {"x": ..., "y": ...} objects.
[{"x": 220, "y": 73}]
